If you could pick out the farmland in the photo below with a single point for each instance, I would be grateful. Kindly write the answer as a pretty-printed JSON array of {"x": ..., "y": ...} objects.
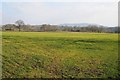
[{"x": 59, "y": 54}]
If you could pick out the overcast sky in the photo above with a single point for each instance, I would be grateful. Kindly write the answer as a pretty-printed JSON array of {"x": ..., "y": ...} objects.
[{"x": 57, "y": 12}]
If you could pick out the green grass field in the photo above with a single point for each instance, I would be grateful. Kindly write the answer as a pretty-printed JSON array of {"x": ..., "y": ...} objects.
[{"x": 59, "y": 54}]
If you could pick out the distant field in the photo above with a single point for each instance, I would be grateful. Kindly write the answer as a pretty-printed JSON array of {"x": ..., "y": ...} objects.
[{"x": 59, "y": 54}]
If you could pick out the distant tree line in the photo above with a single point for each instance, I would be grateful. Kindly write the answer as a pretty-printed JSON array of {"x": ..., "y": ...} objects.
[{"x": 20, "y": 26}]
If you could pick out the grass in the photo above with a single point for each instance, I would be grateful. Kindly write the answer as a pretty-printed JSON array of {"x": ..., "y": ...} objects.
[{"x": 59, "y": 55}]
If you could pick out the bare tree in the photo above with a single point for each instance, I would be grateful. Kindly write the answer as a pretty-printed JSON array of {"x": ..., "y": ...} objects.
[{"x": 19, "y": 24}]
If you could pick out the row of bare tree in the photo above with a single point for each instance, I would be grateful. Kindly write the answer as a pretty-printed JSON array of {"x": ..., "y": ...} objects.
[{"x": 20, "y": 26}]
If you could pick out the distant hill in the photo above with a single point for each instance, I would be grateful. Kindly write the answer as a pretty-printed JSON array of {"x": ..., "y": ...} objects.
[{"x": 78, "y": 24}]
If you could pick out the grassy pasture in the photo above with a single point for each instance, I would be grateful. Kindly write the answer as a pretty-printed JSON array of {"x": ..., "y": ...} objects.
[{"x": 59, "y": 54}]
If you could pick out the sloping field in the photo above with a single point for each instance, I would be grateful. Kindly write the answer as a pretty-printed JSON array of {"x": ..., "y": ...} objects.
[{"x": 59, "y": 54}]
